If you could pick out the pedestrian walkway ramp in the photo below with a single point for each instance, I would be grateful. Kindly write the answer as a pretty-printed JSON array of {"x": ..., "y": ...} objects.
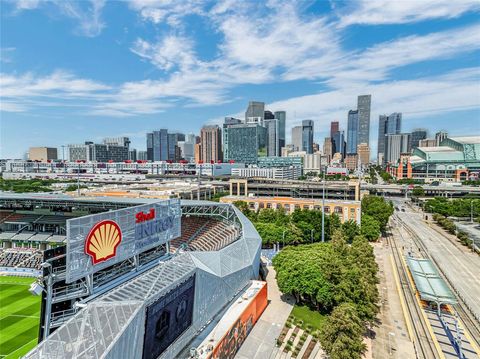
[{"x": 429, "y": 283}]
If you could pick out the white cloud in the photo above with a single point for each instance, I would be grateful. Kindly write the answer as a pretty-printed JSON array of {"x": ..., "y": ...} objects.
[
  {"x": 89, "y": 19},
  {"x": 86, "y": 13},
  {"x": 448, "y": 93},
  {"x": 170, "y": 52},
  {"x": 26, "y": 4},
  {"x": 373, "y": 12},
  {"x": 169, "y": 11},
  {"x": 59, "y": 89},
  {"x": 6, "y": 54}
]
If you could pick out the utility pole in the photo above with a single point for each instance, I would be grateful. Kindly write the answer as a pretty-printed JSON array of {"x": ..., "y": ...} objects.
[
  {"x": 471, "y": 211},
  {"x": 323, "y": 205},
  {"x": 78, "y": 180}
]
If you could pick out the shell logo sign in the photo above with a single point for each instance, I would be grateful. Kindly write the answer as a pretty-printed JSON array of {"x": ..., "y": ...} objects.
[{"x": 103, "y": 240}]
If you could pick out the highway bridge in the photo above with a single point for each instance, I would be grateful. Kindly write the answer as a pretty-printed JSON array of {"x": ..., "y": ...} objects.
[{"x": 430, "y": 191}]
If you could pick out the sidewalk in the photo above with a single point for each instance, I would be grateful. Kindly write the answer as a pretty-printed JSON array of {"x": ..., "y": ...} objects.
[
  {"x": 391, "y": 337},
  {"x": 261, "y": 341}
]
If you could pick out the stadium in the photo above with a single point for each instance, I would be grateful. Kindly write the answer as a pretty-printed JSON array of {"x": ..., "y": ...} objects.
[{"x": 134, "y": 278}]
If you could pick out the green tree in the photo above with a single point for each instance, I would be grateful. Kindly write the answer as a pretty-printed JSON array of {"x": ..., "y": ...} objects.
[
  {"x": 418, "y": 191},
  {"x": 350, "y": 229},
  {"x": 341, "y": 336},
  {"x": 243, "y": 207},
  {"x": 378, "y": 208},
  {"x": 270, "y": 232},
  {"x": 370, "y": 228}
]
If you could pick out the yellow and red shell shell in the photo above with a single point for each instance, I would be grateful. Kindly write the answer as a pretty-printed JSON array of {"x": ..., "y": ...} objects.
[{"x": 103, "y": 240}]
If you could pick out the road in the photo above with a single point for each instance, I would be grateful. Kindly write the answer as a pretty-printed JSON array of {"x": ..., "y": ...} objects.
[{"x": 461, "y": 267}]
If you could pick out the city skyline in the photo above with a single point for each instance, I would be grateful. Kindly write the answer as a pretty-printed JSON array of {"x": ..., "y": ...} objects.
[{"x": 145, "y": 75}]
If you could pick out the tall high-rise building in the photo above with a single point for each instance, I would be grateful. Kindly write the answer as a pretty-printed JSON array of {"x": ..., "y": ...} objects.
[
  {"x": 157, "y": 146},
  {"x": 440, "y": 136},
  {"x": 211, "y": 143},
  {"x": 352, "y": 131},
  {"x": 338, "y": 141},
  {"x": 363, "y": 108},
  {"x": 268, "y": 115},
  {"x": 395, "y": 145},
  {"x": 334, "y": 127},
  {"x": 198, "y": 153},
  {"x": 418, "y": 134},
  {"x": 173, "y": 151},
  {"x": 255, "y": 112},
  {"x": 387, "y": 125},
  {"x": 328, "y": 148},
  {"x": 245, "y": 143},
  {"x": 273, "y": 138},
  {"x": 307, "y": 136},
  {"x": 187, "y": 149},
  {"x": 229, "y": 121},
  {"x": 281, "y": 116},
  {"x": 302, "y": 137},
  {"x": 297, "y": 135}
]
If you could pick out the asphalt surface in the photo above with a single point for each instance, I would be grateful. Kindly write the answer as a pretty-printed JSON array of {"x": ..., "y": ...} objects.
[{"x": 460, "y": 266}]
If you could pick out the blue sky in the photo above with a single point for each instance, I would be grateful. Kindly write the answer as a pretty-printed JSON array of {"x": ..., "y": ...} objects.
[{"x": 84, "y": 70}]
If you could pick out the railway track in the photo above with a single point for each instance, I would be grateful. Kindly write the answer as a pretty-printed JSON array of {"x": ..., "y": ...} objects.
[
  {"x": 466, "y": 316},
  {"x": 422, "y": 342}
]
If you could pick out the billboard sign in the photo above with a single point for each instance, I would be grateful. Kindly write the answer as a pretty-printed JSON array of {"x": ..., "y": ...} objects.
[
  {"x": 167, "y": 318},
  {"x": 100, "y": 240}
]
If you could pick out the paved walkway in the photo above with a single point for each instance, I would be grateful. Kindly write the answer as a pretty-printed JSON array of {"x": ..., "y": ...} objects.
[
  {"x": 262, "y": 340},
  {"x": 391, "y": 335}
]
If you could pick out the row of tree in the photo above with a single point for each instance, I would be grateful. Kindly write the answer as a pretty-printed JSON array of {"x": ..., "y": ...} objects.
[
  {"x": 305, "y": 226},
  {"x": 23, "y": 186},
  {"x": 337, "y": 279},
  {"x": 459, "y": 207}
]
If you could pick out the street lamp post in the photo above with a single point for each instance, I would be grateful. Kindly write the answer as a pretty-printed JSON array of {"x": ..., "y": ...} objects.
[
  {"x": 390, "y": 334},
  {"x": 471, "y": 211},
  {"x": 311, "y": 235},
  {"x": 323, "y": 205}
]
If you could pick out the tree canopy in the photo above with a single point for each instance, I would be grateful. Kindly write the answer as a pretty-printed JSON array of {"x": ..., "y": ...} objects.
[
  {"x": 335, "y": 278},
  {"x": 378, "y": 208},
  {"x": 458, "y": 207}
]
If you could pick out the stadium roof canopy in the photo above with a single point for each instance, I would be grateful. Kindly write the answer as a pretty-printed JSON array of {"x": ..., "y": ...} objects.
[
  {"x": 467, "y": 140},
  {"x": 429, "y": 284}
]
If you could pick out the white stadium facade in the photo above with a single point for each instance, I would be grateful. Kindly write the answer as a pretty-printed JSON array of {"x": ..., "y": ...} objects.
[{"x": 133, "y": 278}]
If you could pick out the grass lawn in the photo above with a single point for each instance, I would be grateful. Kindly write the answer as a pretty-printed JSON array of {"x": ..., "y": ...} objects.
[
  {"x": 19, "y": 317},
  {"x": 308, "y": 316}
]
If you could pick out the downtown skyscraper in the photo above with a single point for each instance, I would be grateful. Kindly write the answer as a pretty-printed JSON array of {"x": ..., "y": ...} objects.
[
  {"x": 302, "y": 137},
  {"x": 363, "y": 108},
  {"x": 387, "y": 125},
  {"x": 352, "y": 132}
]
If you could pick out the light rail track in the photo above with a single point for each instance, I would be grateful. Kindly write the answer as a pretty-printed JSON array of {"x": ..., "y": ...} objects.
[
  {"x": 422, "y": 341},
  {"x": 466, "y": 315}
]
